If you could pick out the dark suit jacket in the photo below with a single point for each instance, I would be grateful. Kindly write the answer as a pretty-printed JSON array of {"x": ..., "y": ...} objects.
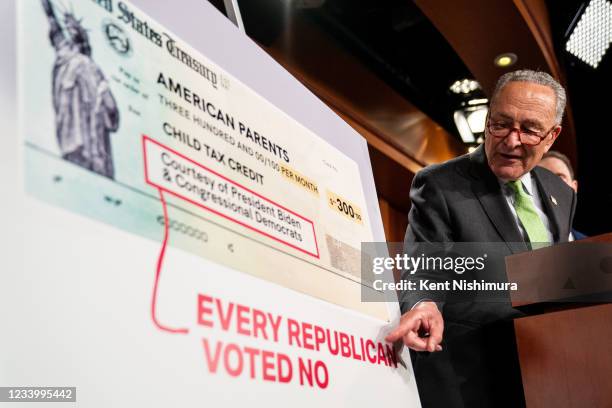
[{"x": 461, "y": 201}]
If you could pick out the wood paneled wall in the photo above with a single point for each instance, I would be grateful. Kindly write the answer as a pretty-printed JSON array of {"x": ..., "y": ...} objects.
[{"x": 394, "y": 221}]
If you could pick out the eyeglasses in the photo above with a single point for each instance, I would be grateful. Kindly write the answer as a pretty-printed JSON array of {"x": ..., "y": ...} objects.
[{"x": 526, "y": 136}]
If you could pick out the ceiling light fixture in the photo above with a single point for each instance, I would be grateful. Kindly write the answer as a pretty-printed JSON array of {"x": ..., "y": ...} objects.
[
  {"x": 464, "y": 86},
  {"x": 505, "y": 60},
  {"x": 470, "y": 122},
  {"x": 480, "y": 101}
]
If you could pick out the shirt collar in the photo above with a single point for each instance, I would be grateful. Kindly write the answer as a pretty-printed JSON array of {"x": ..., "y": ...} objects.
[{"x": 526, "y": 181}]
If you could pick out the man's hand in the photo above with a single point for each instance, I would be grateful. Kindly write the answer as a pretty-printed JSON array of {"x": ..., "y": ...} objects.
[{"x": 421, "y": 328}]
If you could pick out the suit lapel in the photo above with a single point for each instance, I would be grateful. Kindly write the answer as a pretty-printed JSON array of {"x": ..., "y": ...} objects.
[
  {"x": 553, "y": 211},
  {"x": 488, "y": 191}
]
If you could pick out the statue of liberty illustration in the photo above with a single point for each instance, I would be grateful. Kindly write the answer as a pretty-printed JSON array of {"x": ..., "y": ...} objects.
[{"x": 85, "y": 109}]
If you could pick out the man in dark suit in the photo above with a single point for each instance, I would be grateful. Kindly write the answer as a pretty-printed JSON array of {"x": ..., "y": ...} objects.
[{"x": 466, "y": 353}]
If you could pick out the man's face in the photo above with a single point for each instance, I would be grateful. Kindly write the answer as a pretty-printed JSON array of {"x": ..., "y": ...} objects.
[
  {"x": 560, "y": 169},
  {"x": 525, "y": 106}
]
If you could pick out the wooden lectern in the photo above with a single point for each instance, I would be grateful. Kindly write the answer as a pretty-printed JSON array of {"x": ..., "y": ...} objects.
[{"x": 565, "y": 349}]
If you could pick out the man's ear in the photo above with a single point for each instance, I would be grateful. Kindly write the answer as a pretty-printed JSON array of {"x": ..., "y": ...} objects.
[
  {"x": 575, "y": 185},
  {"x": 555, "y": 132}
]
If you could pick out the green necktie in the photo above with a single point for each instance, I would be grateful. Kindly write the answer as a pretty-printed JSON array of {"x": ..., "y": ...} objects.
[{"x": 536, "y": 231}]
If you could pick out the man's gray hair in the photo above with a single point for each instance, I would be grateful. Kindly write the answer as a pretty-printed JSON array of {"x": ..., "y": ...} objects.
[{"x": 537, "y": 77}]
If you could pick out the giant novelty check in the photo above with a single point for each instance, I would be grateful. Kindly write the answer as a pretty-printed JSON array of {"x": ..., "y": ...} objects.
[{"x": 125, "y": 123}]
